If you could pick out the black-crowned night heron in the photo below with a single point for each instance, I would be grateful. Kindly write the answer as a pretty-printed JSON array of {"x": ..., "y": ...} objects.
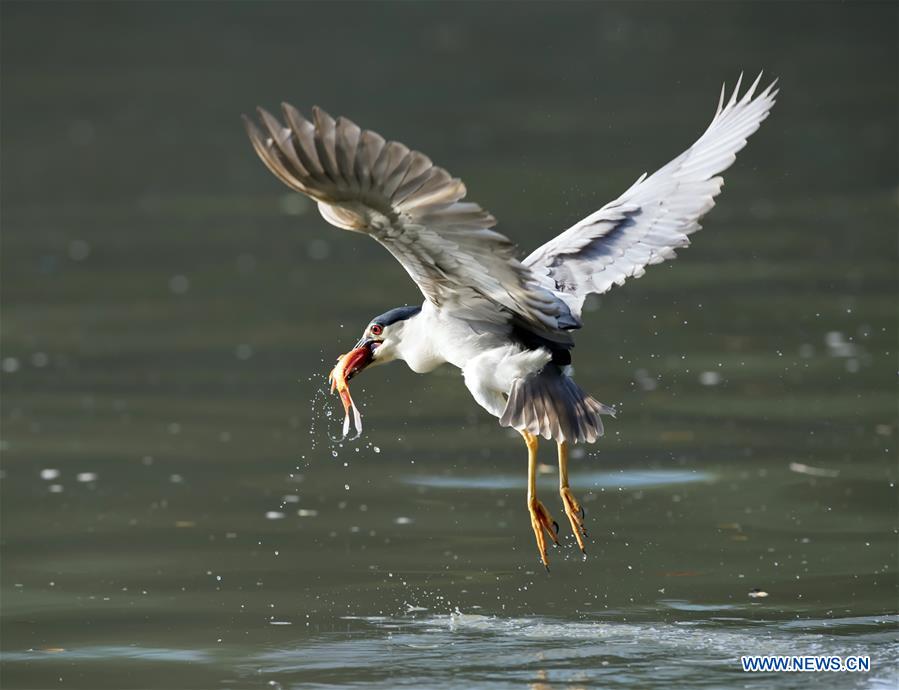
[{"x": 506, "y": 323}]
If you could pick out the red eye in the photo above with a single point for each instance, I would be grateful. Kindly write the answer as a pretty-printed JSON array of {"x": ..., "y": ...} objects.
[{"x": 376, "y": 329}]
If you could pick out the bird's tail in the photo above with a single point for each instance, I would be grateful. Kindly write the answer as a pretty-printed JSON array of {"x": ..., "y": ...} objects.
[{"x": 550, "y": 404}]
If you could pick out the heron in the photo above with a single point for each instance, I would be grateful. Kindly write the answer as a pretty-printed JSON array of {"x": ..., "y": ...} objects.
[{"x": 507, "y": 323}]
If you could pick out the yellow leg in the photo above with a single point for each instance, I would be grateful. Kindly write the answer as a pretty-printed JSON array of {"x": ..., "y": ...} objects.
[
  {"x": 540, "y": 517},
  {"x": 573, "y": 509}
]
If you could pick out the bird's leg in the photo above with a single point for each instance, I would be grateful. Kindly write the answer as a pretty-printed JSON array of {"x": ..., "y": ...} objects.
[
  {"x": 573, "y": 509},
  {"x": 540, "y": 517}
]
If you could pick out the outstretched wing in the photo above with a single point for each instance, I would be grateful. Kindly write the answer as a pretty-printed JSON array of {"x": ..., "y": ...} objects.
[
  {"x": 655, "y": 216},
  {"x": 416, "y": 210}
]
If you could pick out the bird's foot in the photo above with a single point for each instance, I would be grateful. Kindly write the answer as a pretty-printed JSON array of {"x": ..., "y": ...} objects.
[
  {"x": 541, "y": 520},
  {"x": 575, "y": 514}
]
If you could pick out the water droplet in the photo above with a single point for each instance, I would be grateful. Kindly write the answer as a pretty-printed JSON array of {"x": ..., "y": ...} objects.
[
  {"x": 79, "y": 250},
  {"x": 179, "y": 284},
  {"x": 709, "y": 378},
  {"x": 318, "y": 250}
]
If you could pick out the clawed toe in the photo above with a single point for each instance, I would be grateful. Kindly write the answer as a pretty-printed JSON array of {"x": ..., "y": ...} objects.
[
  {"x": 576, "y": 515},
  {"x": 541, "y": 521}
]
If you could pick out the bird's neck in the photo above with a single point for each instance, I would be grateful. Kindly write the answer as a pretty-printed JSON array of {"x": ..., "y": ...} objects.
[{"x": 419, "y": 346}]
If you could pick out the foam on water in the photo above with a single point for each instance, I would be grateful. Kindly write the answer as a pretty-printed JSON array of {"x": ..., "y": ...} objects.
[{"x": 745, "y": 635}]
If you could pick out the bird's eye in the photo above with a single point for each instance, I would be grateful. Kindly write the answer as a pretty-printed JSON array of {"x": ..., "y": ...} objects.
[{"x": 376, "y": 329}]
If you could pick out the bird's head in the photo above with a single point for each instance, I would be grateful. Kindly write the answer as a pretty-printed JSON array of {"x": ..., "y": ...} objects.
[{"x": 381, "y": 339}]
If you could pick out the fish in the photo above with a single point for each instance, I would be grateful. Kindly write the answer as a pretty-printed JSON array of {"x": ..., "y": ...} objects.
[{"x": 348, "y": 365}]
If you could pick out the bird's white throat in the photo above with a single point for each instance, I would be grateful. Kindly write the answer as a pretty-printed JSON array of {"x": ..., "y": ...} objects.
[{"x": 419, "y": 340}]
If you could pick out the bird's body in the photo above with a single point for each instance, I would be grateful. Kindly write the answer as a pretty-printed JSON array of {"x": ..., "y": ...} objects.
[
  {"x": 489, "y": 362},
  {"x": 506, "y": 323}
]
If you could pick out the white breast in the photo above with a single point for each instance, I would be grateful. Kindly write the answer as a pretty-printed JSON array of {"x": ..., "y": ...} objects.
[{"x": 489, "y": 361}]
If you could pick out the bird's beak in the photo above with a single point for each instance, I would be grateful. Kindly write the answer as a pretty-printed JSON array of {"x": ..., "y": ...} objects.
[{"x": 359, "y": 357}]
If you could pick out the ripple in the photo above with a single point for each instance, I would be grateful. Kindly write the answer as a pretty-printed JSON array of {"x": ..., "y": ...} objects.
[
  {"x": 629, "y": 479},
  {"x": 472, "y": 650},
  {"x": 110, "y": 652}
]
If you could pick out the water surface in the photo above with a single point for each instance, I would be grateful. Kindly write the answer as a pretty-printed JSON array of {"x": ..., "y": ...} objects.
[{"x": 175, "y": 512}]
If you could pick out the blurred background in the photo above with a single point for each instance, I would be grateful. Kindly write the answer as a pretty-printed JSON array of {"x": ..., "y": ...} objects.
[{"x": 175, "y": 512}]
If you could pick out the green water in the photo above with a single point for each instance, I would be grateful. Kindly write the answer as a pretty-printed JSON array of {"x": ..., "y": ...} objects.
[{"x": 175, "y": 513}]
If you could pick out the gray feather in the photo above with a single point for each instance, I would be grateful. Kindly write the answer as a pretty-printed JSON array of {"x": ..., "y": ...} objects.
[
  {"x": 414, "y": 209},
  {"x": 550, "y": 404}
]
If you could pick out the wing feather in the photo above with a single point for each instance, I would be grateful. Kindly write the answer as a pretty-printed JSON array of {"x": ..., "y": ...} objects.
[
  {"x": 347, "y": 136},
  {"x": 656, "y": 215},
  {"x": 417, "y": 211},
  {"x": 301, "y": 143}
]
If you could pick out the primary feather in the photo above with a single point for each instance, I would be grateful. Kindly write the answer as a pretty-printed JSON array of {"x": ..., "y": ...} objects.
[
  {"x": 416, "y": 210},
  {"x": 655, "y": 215}
]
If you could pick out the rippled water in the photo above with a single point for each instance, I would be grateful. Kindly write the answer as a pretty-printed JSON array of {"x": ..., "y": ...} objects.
[
  {"x": 176, "y": 512},
  {"x": 488, "y": 651}
]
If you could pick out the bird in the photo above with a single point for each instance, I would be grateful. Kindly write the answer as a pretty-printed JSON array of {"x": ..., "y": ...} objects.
[{"x": 507, "y": 323}]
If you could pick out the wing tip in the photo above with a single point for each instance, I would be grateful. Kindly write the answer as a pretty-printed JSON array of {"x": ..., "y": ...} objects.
[
  {"x": 248, "y": 124},
  {"x": 322, "y": 120},
  {"x": 749, "y": 96},
  {"x": 287, "y": 107}
]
